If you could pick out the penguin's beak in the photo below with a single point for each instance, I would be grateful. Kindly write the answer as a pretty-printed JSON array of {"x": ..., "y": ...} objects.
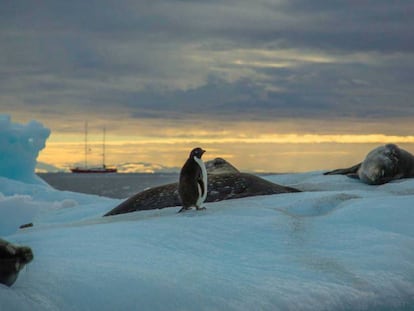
[{"x": 202, "y": 151}]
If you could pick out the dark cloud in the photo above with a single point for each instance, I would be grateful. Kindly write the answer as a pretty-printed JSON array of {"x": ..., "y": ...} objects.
[{"x": 209, "y": 59}]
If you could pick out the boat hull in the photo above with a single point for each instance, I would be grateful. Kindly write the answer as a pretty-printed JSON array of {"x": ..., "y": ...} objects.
[{"x": 92, "y": 170}]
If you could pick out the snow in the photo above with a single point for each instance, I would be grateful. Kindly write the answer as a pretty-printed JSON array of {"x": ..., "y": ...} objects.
[{"x": 339, "y": 245}]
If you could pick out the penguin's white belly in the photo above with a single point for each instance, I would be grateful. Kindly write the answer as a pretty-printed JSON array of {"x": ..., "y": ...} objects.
[{"x": 202, "y": 193}]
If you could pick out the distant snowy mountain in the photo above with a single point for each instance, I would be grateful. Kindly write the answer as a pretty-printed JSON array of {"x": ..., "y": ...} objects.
[
  {"x": 47, "y": 168},
  {"x": 145, "y": 167}
]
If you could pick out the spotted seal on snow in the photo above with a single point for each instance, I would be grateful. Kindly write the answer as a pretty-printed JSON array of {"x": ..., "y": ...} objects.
[
  {"x": 381, "y": 165},
  {"x": 12, "y": 260},
  {"x": 225, "y": 182}
]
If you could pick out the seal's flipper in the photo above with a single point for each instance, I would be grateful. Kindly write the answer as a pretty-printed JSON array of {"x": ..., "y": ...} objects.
[
  {"x": 352, "y": 175},
  {"x": 350, "y": 171}
]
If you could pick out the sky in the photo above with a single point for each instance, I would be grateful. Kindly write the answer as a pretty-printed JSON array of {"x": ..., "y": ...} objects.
[{"x": 281, "y": 85}]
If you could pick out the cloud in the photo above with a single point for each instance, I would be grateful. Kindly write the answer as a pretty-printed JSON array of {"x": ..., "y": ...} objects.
[{"x": 192, "y": 60}]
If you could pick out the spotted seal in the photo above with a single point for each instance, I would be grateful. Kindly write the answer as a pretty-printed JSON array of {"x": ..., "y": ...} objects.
[
  {"x": 381, "y": 165},
  {"x": 225, "y": 182},
  {"x": 12, "y": 260}
]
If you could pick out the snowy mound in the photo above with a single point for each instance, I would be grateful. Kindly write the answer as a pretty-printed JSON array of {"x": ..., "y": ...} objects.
[
  {"x": 19, "y": 148},
  {"x": 340, "y": 245},
  {"x": 322, "y": 250}
]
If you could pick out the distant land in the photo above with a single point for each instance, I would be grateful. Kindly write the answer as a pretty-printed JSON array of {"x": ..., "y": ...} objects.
[
  {"x": 47, "y": 168},
  {"x": 130, "y": 167}
]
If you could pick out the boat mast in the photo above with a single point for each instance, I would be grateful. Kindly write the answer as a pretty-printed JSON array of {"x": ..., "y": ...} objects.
[
  {"x": 103, "y": 148},
  {"x": 86, "y": 144}
]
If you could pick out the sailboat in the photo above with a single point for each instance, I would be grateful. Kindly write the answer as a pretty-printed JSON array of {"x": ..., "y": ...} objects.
[{"x": 99, "y": 169}]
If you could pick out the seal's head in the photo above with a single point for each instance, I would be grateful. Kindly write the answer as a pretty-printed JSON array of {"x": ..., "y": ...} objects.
[
  {"x": 380, "y": 165},
  {"x": 220, "y": 166},
  {"x": 12, "y": 259}
]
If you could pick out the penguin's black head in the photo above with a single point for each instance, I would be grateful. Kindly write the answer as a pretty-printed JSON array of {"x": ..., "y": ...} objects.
[{"x": 197, "y": 152}]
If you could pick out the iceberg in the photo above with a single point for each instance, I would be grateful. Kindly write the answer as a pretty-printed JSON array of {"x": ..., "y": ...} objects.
[
  {"x": 339, "y": 245},
  {"x": 20, "y": 146}
]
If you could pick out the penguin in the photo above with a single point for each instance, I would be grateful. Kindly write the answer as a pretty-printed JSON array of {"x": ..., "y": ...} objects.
[{"x": 192, "y": 186}]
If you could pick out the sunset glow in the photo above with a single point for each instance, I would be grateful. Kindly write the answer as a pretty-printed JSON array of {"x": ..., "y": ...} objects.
[{"x": 261, "y": 153}]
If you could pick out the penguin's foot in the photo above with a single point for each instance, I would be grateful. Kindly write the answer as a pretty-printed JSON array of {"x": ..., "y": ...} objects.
[
  {"x": 183, "y": 209},
  {"x": 200, "y": 208}
]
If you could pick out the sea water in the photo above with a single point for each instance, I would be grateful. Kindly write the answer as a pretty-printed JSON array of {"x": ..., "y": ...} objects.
[{"x": 112, "y": 185}]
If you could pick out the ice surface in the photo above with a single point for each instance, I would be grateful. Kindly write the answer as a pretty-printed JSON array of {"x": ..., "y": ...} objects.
[{"x": 340, "y": 245}]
